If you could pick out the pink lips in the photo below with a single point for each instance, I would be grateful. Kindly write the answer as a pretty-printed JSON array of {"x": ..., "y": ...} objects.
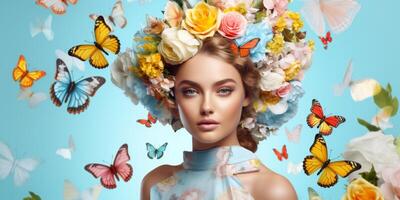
[{"x": 207, "y": 124}]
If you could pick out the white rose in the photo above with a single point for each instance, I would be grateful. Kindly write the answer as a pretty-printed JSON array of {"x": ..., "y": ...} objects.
[
  {"x": 272, "y": 79},
  {"x": 177, "y": 45},
  {"x": 120, "y": 74},
  {"x": 372, "y": 148}
]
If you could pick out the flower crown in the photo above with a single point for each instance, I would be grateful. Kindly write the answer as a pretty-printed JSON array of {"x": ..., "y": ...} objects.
[{"x": 264, "y": 30}]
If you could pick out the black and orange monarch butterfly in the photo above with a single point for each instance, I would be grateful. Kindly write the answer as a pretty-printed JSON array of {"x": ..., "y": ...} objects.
[
  {"x": 327, "y": 170},
  {"x": 317, "y": 118},
  {"x": 244, "y": 50}
]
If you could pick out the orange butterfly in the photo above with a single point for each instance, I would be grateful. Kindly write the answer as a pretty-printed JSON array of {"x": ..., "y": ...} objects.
[
  {"x": 244, "y": 50},
  {"x": 22, "y": 74},
  {"x": 325, "y": 40},
  {"x": 147, "y": 122},
  {"x": 281, "y": 155},
  {"x": 317, "y": 118}
]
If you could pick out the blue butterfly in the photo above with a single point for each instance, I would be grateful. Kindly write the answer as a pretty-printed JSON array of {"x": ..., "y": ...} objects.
[
  {"x": 74, "y": 93},
  {"x": 155, "y": 153}
]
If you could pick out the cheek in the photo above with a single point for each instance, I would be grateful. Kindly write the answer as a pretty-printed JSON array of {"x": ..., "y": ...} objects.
[{"x": 230, "y": 109}]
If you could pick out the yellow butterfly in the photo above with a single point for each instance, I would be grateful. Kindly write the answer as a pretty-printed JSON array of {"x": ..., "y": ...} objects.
[
  {"x": 104, "y": 41},
  {"x": 328, "y": 170},
  {"x": 25, "y": 77}
]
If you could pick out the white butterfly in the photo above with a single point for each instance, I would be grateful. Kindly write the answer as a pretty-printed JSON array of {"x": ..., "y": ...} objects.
[
  {"x": 117, "y": 17},
  {"x": 66, "y": 153},
  {"x": 360, "y": 89},
  {"x": 33, "y": 98},
  {"x": 20, "y": 168},
  {"x": 69, "y": 60},
  {"x": 72, "y": 193},
  {"x": 294, "y": 135},
  {"x": 339, "y": 14},
  {"x": 43, "y": 27},
  {"x": 294, "y": 168}
]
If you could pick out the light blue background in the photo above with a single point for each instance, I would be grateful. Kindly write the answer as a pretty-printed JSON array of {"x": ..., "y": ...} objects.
[{"x": 372, "y": 42}]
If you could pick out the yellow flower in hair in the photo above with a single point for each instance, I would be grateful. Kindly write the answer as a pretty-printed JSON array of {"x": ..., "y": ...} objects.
[
  {"x": 275, "y": 46},
  {"x": 240, "y": 8},
  {"x": 202, "y": 20},
  {"x": 280, "y": 24},
  {"x": 311, "y": 45},
  {"x": 292, "y": 71},
  {"x": 151, "y": 65},
  {"x": 297, "y": 23}
]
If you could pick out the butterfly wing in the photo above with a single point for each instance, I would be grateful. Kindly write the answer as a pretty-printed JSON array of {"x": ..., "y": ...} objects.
[
  {"x": 245, "y": 49},
  {"x": 278, "y": 154},
  {"x": 316, "y": 115},
  {"x": 79, "y": 100},
  {"x": 104, "y": 172},
  {"x": 332, "y": 121},
  {"x": 30, "y": 77},
  {"x": 102, "y": 35},
  {"x": 144, "y": 122},
  {"x": 57, "y": 6},
  {"x": 344, "y": 168},
  {"x": 117, "y": 15},
  {"x": 313, "y": 195},
  {"x": 6, "y": 160},
  {"x": 284, "y": 152},
  {"x": 98, "y": 60},
  {"x": 327, "y": 178},
  {"x": 313, "y": 14},
  {"x": 22, "y": 169},
  {"x": 340, "y": 13},
  {"x": 47, "y": 30},
  {"x": 339, "y": 88},
  {"x": 160, "y": 150},
  {"x": 234, "y": 48},
  {"x": 69, "y": 60},
  {"x": 59, "y": 89},
  {"x": 82, "y": 52},
  {"x": 151, "y": 118},
  {"x": 70, "y": 191},
  {"x": 294, "y": 135},
  {"x": 151, "y": 151},
  {"x": 123, "y": 168},
  {"x": 319, "y": 155},
  {"x": 20, "y": 69}
]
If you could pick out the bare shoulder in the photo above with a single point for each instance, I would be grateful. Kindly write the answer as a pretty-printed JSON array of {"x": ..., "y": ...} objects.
[
  {"x": 277, "y": 187},
  {"x": 156, "y": 175},
  {"x": 268, "y": 185}
]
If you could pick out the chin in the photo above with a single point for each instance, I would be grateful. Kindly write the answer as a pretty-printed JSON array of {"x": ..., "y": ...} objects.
[{"x": 208, "y": 137}]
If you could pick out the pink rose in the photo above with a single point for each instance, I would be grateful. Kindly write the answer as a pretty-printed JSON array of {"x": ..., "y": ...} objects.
[
  {"x": 391, "y": 186},
  {"x": 283, "y": 90},
  {"x": 233, "y": 25}
]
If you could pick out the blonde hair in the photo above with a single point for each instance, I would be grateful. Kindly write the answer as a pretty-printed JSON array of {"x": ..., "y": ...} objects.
[{"x": 219, "y": 47}]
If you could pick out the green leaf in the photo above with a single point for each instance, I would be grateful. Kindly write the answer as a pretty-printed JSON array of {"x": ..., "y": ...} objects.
[
  {"x": 367, "y": 125},
  {"x": 32, "y": 197},
  {"x": 395, "y": 106},
  {"x": 383, "y": 98},
  {"x": 370, "y": 176}
]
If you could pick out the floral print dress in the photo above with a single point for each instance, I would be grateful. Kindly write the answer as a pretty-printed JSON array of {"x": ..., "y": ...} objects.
[{"x": 209, "y": 174}]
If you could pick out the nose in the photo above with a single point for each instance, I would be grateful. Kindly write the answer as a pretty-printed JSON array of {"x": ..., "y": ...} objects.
[{"x": 206, "y": 106}]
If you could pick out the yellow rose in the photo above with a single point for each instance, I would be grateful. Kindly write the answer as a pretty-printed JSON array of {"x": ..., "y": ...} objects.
[
  {"x": 202, "y": 20},
  {"x": 362, "y": 189}
]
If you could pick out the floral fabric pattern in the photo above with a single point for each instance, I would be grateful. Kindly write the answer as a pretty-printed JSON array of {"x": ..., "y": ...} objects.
[{"x": 209, "y": 174}]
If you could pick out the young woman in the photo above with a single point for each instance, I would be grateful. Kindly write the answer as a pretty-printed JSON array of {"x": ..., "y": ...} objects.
[{"x": 213, "y": 93}]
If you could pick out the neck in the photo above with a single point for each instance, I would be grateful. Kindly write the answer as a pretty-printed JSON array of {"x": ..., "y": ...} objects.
[{"x": 229, "y": 140}]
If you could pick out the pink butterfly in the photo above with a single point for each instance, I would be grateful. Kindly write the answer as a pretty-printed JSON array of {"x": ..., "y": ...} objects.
[
  {"x": 58, "y": 7},
  {"x": 119, "y": 167}
]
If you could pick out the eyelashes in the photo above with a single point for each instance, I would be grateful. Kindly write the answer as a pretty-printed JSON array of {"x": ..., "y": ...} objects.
[{"x": 224, "y": 91}]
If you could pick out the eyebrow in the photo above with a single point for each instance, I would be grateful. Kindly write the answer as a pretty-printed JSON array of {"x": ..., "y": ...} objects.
[{"x": 215, "y": 84}]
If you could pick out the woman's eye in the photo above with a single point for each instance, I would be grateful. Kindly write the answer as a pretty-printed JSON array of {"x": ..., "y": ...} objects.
[
  {"x": 189, "y": 92},
  {"x": 225, "y": 91}
]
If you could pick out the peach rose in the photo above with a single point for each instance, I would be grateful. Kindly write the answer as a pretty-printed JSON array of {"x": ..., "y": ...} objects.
[
  {"x": 202, "y": 20},
  {"x": 233, "y": 25},
  {"x": 362, "y": 189}
]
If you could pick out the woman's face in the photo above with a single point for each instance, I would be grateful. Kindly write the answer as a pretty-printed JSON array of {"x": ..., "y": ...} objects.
[{"x": 210, "y": 95}]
